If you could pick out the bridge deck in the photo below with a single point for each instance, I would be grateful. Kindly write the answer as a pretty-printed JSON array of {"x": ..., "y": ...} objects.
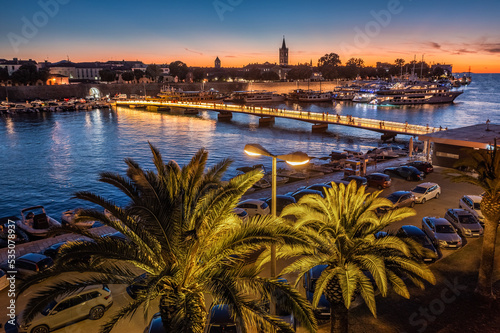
[{"x": 389, "y": 127}]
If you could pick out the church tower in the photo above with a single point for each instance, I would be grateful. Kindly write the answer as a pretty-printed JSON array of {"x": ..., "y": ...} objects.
[
  {"x": 283, "y": 54},
  {"x": 217, "y": 62}
]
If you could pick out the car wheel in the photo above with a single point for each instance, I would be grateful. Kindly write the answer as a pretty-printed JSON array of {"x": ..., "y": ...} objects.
[
  {"x": 380, "y": 187},
  {"x": 437, "y": 195},
  {"x": 96, "y": 312},
  {"x": 423, "y": 200},
  {"x": 40, "y": 329},
  {"x": 412, "y": 204}
]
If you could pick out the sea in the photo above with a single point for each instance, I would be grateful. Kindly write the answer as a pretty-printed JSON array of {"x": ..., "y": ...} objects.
[{"x": 46, "y": 157}]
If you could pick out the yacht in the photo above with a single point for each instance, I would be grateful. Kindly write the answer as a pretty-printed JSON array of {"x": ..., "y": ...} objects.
[
  {"x": 345, "y": 93},
  {"x": 177, "y": 94},
  {"x": 302, "y": 95},
  {"x": 363, "y": 97},
  {"x": 255, "y": 96},
  {"x": 417, "y": 93},
  {"x": 35, "y": 222}
]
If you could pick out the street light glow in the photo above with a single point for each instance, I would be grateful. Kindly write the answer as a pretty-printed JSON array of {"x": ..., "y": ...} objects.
[
  {"x": 251, "y": 153},
  {"x": 298, "y": 163}
]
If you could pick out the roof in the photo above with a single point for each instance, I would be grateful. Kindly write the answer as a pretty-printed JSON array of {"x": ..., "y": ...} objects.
[
  {"x": 283, "y": 46},
  {"x": 475, "y": 136}
]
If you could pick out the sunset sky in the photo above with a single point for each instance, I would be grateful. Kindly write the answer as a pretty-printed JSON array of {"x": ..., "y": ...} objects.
[{"x": 463, "y": 33}]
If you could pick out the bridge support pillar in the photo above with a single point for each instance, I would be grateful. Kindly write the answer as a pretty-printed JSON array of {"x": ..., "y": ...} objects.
[
  {"x": 387, "y": 136},
  {"x": 265, "y": 121},
  {"x": 225, "y": 115},
  {"x": 319, "y": 128}
]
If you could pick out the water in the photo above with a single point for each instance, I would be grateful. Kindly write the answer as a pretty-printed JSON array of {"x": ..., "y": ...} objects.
[{"x": 46, "y": 157}]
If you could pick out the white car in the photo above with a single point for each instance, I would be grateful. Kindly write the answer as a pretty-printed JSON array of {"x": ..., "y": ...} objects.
[
  {"x": 426, "y": 191},
  {"x": 242, "y": 214},
  {"x": 441, "y": 232},
  {"x": 254, "y": 207},
  {"x": 472, "y": 204},
  {"x": 464, "y": 222},
  {"x": 89, "y": 303}
]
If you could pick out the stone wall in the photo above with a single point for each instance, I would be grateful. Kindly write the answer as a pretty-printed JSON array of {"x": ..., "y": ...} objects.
[{"x": 23, "y": 93}]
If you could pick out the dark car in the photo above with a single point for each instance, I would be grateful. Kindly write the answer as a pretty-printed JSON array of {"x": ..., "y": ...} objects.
[
  {"x": 310, "y": 279},
  {"x": 405, "y": 172},
  {"x": 418, "y": 235},
  {"x": 320, "y": 187},
  {"x": 156, "y": 325},
  {"x": 19, "y": 236},
  {"x": 29, "y": 264},
  {"x": 137, "y": 285},
  {"x": 281, "y": 202},
  {"x": 220, "y": 320},
  {"x": 378, "y": 180},
  {"x": 423, "y": 166},
  {"x": 360, "y": 181},
  {"x": 299, "y": 194}
]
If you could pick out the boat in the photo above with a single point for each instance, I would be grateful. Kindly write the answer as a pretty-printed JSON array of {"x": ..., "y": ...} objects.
[
  {"x": 415, "y": 93},
  {"x": 68, "y": 218},
  {"x": 35, "y": 221},
  {"x": 363, "y": 97},
  {"x": 345, "y": 93},
  {"x": 177, "y": 94},
  {"x": 302, "y": 95},
  {"x": 255, "y": 96}
]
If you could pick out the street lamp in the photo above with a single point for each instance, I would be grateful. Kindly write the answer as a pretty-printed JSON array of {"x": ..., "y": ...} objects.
[{"x": 297, "y": 158}]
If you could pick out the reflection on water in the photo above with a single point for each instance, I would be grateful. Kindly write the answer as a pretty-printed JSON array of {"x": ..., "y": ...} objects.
[{"x": 46, "y": 157}]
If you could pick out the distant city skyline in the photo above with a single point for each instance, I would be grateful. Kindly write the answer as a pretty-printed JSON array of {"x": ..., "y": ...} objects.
[{"x": 240, "y": 32}]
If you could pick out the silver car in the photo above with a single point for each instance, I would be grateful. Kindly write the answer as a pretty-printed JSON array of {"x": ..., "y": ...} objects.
[
  {"x": 466, "y": 223},
  {"x": 89, "y": 303},
  {"x": 441, "y": 232}
]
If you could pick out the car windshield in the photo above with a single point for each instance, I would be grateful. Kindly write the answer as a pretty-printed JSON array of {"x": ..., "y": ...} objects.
[
  {"x": 48, "y": 308},
  {"x": 394, "y": 197},
  {"x": 477, "y": 205},
  {"x": 419, "y": 189},
  {"x": 423, "y": 240},
  {"x": 445, "y": 229},
  {"x": 467, "y": 219},
  {"x": 264, "y": 205}
]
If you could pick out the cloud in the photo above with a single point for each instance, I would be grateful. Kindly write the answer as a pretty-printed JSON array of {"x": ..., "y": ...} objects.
[
  {"x": 434, "y": 45},
  {"x": 193, "y": 51}
]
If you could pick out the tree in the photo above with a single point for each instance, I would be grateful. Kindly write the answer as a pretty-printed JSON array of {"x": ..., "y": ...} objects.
[
  {"x": 107, "y": 75},
  {"x": 26, "y": 74},
  {"x": 181, "y": 230},
  {"x": 331, "y": 59},
  {"x": 4, "y": 74},
  {"x": 128, "y": 76},
  {"x": 342, "y": 229},
  {"x": 486, "y": 167},
  {"x": 253, "y": 74},
  {"x": 199, "y": 74},
  {"x": 179, "y": 69},
  {"x": 399, "y": 62},
  {"x": 270, "y": 76},
  {"x": 153, "y": 72},
  {"x": 138, "y": 74},
  {"x": 301, "y": 72},
  {"x": 355, "y": 62},
  {"x": 329, "y": 72}
]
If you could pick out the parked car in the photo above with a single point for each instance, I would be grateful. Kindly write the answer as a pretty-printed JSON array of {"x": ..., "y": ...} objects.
[
  {"x": 426, "y": 191},
  {"x": 441, "y": 232},
  {"x": 472, "y": 204},
  {"x": 419, "y": 236},
  {"x": 405, "y": 172},
  {"x": 3, "y": 280},
  {"x": 29, "y": 264},
  {"x": 378, "y": 180},
  {"x": 299, "y": 194},
  {"x": 360, "y": 181},
  {"x": 242, "y": 214},
  {"x": 281, "y": 312},
  {"x": 466, "y": 223},
  {"x": 423, "y": 166},
  {"x": 254, "y": 207},
  {"x": 137, "y": 285},
  {"x": 309, "y": 283},
  {"x": 402, "y": 199},
  {"x": 220, "y": 320},
  {"x": 155, "y": 325},
  {"x": 89, "y": 303},
  {"x": 281, "y": 202},
  {"x": 320, "y": 187}
]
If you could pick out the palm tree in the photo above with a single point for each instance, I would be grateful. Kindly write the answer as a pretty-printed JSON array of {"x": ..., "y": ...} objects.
[
  {"x": 182, "y": 232},
  {"x": 342, "y": 229},
  {"x": 486, "y": 168}
]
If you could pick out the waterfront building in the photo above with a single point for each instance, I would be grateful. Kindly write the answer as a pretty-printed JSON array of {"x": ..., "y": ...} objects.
[
  {"x": 56, "y": 79},
  {"x": 283, "y": 54},
  {"x": 14, "y": 64}
]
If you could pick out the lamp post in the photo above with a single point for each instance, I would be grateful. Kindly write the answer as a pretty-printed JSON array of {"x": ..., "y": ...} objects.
[{"x": 297, "y": 158}]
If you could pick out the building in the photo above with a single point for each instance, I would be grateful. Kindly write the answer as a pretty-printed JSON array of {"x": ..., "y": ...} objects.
[
  {"x": 63, "y": 68},
  {"x": 455, "y": 144},
  {"x": 56, "y": 79},
  {"x": 217, "y": 62},
  {"x": 88, "y": 71},
  {"x": 14, "y": 64},
  {"x": 283, "y": 54}
]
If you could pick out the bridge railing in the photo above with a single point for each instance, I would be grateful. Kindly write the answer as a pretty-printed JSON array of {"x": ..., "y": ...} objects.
[{"x": 325, "y": 117}]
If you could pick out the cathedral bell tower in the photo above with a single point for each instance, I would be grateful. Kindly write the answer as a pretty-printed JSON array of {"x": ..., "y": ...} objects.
[{"x": 283, "y": 54}]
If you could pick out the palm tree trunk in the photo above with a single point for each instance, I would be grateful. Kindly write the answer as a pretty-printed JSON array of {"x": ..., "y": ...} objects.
[
  {"x": 485, "y": 278},
  {"x": 339, "y": 318},
  {"x": 189, "y": 306}
]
